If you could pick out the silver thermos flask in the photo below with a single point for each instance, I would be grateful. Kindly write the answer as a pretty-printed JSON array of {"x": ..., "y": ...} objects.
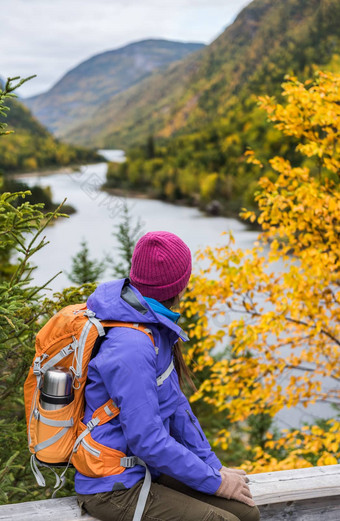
[{"x": 57, "y": 389}]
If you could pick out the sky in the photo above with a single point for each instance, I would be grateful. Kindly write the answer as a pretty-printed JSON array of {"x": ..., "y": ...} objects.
[{"x": 50, "y": 37}]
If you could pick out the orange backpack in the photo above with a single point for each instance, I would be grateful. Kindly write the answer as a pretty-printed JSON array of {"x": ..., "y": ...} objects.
[{"x": 59, "y": 437}]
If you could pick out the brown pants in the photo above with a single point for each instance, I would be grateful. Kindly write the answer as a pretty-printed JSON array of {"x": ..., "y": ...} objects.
[{"x": 169, "y": 500}]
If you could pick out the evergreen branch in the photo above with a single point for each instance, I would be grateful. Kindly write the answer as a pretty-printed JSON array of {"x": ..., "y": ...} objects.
[{"x": 8, "y": 465}]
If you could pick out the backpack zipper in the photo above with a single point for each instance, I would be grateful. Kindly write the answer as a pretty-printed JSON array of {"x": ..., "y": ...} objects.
[
  {"x": 194, "y": 423},
  {"x": 90, "y": 449}
]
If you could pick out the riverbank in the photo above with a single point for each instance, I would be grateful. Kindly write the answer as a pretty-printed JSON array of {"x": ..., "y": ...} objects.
[
  {"x": 212, "y": 209},
  {"x": 44, "y": 195},
  {"x": 131, "y": 194},
  {"x": 119, "y": 184},
  {"x": 138, "y": 194},
  {"x": 45, "y": 172}
]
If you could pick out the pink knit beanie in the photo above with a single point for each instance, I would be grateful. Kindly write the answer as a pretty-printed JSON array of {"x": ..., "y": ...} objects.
[{"x": 161, "y": 265}]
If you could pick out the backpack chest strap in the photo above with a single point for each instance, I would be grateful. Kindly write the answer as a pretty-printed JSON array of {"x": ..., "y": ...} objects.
[{"x": 161, "y": 379}]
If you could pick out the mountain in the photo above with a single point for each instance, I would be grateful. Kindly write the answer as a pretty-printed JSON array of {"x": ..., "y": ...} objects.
[
  {"x": 92, "y": 83},
  {"x": 32, "y": 146},
  {"x": 269, "y": 39},
  {"x": 186, "y": 130}
]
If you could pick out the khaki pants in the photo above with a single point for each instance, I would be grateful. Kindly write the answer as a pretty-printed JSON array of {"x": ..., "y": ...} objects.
[{"x": 169, "y": 500}]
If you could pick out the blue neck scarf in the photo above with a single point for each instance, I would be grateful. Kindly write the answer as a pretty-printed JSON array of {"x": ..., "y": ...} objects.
[{"x": 162, "y": 310}]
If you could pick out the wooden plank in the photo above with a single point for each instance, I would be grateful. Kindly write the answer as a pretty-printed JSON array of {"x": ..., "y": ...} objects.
[
  {"x": 66, "y": 509},
  {"x": 295, "y": 485},
  {"x": 305, "y": 494},
  {"x": 62, "y": 509},
  {"x": 307, "y": 472},
  {"x": 317, "y": 509}
]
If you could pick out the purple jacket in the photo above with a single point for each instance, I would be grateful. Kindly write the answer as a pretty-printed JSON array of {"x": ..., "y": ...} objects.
[{"x": 155, "y": 423}]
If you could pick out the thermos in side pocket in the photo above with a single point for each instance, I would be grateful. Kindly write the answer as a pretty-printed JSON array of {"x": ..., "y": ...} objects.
[{"x": 52, "y": 429}]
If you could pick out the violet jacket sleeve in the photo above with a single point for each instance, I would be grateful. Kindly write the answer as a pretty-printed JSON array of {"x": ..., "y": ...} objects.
[
  {"x": 131, "y": 383},
  {"x": 186, "y": 429}
]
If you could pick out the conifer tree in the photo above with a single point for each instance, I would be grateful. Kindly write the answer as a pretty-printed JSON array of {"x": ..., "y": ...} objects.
[
  {"x": 85, "y": 270},
  {"x": 127, "y": 234}
]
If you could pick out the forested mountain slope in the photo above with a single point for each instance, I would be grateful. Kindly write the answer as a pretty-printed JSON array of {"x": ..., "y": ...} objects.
[
  {"x": 203, "y": 126},
  {"x": 31, "y": 146},
  {"x": 83, "y": 89},
  {"x": 269, "y": 38}
]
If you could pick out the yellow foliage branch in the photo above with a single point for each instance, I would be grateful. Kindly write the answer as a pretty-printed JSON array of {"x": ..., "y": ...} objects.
[{"x": 282, "y": 327}]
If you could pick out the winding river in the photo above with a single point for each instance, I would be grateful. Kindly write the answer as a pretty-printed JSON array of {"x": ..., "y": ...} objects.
[
  {"x": 97, "y": 217},
  {"x": 99, "y": 213}
]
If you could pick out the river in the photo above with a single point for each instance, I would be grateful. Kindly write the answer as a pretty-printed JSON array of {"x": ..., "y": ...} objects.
[
  {"x": 98, "y": 214},
  {"x": 97, "y": 217}
]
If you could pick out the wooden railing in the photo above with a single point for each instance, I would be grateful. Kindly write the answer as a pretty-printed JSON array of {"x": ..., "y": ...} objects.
[{"x": 311, "y": 494}]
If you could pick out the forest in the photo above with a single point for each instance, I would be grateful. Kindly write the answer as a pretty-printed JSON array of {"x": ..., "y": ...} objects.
[{"x": 31, "y": 146}]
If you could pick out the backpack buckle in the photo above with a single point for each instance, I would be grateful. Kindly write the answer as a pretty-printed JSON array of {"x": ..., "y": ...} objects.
[
  {"x": 92, "y": 423},
  {"x": 65, "y": 351},
  {"x": 37, "y": 366},
  {"x": 89, "y": 313},
  {"x": 128, "y": 462}
]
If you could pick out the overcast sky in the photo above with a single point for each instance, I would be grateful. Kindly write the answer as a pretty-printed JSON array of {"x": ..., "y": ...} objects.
[{"x": 49, "y": 37}]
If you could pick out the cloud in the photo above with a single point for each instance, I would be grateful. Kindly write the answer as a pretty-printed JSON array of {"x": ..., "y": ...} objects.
[{"x": 49, "y": 37}]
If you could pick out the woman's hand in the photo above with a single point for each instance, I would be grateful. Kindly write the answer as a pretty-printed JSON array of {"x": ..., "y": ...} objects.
[
  {"x": 234, "y": 486},
  {"x": 236, "y": 471}
]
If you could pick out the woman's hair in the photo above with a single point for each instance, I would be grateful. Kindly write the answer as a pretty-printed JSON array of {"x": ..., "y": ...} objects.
[{"x": 183, "y": 371}]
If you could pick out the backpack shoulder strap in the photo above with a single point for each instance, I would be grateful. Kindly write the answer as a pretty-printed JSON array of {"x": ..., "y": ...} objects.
[{"x": 131, "y": 325}]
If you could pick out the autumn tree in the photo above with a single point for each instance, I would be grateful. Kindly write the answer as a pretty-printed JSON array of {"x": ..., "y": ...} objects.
[{"x": 281, "y": 325}]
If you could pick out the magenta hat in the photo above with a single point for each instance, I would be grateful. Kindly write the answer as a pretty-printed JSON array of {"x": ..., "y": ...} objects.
[{"x": 161, "y": 265}]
